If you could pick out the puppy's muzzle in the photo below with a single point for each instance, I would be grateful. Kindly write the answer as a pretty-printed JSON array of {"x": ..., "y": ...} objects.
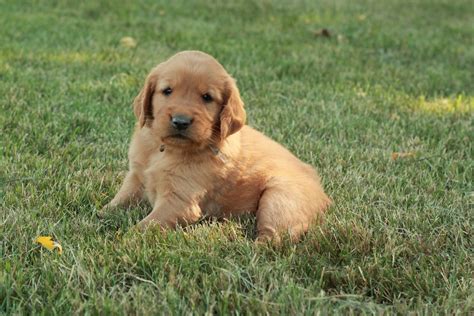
[{"x": 181, "y": 122}]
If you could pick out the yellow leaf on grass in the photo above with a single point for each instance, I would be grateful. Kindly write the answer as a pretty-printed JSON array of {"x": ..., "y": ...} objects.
[
  {"x": 398, "y": 155},
  {"x": 128, "y": 42},
  {"x": 48, "y": 243}
]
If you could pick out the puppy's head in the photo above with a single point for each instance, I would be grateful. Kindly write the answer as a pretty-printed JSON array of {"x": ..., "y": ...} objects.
[{"x": 190, "y": 101}]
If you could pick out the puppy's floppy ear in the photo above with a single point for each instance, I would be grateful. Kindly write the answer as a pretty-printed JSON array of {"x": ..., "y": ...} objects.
[
  {"x": 142, "y": 106},
  {"x": 232, "y": 116}
]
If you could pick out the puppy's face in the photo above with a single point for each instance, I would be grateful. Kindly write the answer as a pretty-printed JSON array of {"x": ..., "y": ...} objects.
[{"x": 190, "y": 102}]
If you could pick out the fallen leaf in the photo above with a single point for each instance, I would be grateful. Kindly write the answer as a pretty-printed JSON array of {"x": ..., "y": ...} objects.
[
  {"x": 323, "y": 33},
  {"x": 48, "y": 243},
  {"x": 128, "y": 42},
  {"x": 399, "y": 155}
]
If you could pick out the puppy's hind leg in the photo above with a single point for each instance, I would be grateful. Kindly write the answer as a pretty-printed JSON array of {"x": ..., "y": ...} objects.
[
  {"x": 130, "y": 191},
  {"x": 289, "y": 207}
]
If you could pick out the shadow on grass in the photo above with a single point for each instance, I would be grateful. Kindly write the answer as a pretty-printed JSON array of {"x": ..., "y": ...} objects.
[{"x": 124, "y": 219}]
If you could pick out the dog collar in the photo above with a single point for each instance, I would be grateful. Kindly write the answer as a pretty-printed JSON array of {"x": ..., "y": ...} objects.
[{"x": 215, "y": 151}]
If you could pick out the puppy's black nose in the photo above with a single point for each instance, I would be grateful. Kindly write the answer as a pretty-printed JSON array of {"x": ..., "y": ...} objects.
[{"x": 181, "y": 122}]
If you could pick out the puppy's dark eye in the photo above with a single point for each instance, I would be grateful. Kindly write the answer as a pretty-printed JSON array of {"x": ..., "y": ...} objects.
[
  {"x": 207, "y": 97},
  {"x": 167, "y": 91}
]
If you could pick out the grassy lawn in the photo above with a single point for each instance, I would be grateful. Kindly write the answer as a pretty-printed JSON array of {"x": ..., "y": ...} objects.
[{"x": 393, "y": 77}]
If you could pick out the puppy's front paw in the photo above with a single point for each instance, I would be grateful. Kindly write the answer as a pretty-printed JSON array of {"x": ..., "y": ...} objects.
[
  {"x": 140, "y": 227},
  {"x": 148, "y": 224},
  {"x": 268, "y": 235},
  {"x": 145, "y": 224},
  {"x": 274, "y": 240},
  {"x": 105, "y": 210}
]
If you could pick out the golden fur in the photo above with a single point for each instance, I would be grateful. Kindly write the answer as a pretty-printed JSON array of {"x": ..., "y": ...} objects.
[{"x": 219, "y": 166}]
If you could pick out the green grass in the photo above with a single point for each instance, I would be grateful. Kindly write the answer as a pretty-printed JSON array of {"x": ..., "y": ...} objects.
[{"x": 396, "y": 76}]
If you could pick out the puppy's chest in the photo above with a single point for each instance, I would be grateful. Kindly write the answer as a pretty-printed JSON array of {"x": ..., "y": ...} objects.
[
  {"x": 218, "y": 189},
  {"x": 166, "y": 177}
]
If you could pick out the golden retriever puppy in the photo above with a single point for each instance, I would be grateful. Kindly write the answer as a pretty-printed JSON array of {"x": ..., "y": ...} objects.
[{"x": 192, "y": 155}]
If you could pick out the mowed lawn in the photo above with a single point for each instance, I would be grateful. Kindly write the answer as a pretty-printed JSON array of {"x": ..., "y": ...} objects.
[{"x": 393, "y": 77}]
